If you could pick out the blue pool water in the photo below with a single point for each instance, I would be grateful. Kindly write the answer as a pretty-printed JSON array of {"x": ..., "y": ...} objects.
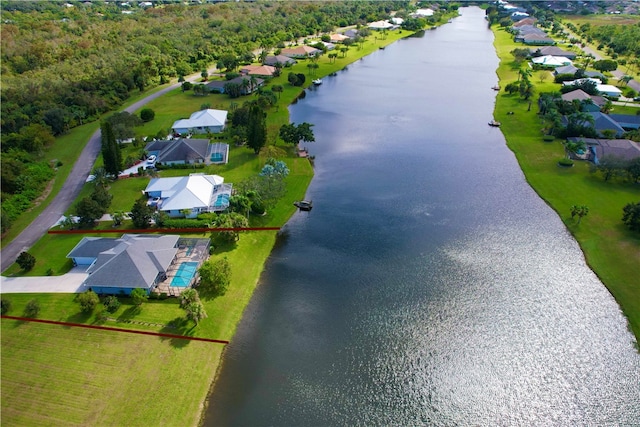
[
  {"x": 185, "y": 273},
  {"x": 217, "y": 157},
  {"x": 222, "y": 200}
]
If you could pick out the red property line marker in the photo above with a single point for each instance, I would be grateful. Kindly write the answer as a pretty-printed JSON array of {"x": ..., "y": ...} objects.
[
  {"x": 107, "y": 328},
  {"x": 171, "y": 230}
]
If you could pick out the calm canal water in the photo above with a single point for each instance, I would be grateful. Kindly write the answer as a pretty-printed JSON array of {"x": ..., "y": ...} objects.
[{"x": 429, "y": 285}]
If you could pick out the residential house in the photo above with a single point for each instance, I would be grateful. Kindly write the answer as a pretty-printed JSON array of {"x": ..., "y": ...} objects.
[
  {"x": 118, "y": 266},
  {"x": 537, "y": 39},
  {"x": 338, "y": 38},
  {"x": 553, "y": 51},
  {"x": 203, "y": 121},
  {"x": 580, "y": 95},
  {"x": 243, "y": 81},
  {"x": 423, "y": 13},
  {"x": 525, "y": 21},
  {"x": 189, "y": 195},
  {"x": 565, "y": 69},
  {"x": 627, "y": 121},
  {"x": 551, "y": 61},
  {"x": 609, "y": 90},
  {"x": 351, "y": 33},
  {"x": 282, "y": 59},
  {"x": 604, "y": 122},
  {"x": 182, "y": 151},
  {"x": 598, "y": 148},
  {"x": 265, "y": 71},
  {"x": 380, "y": 25},
  {"x": 300, "y": 52}
]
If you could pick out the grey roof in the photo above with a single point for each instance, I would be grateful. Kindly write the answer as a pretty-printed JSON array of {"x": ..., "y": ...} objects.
[
  {"x": 603, "y": 122},
  {"x": 219, "y": 84},
  {"x": 628, "y": 121},
  {"x": 180, "y": 149},
  {"x": 272, "y": 60},
  {"x": 623, "y": 148},
  {"x": 567, "y": 69},
  {"x": 555, "y": 51},
  {"x": 136, "y": 261},
  {"x": 582, "y": 95},
  {"x": 90, "y": 247}
]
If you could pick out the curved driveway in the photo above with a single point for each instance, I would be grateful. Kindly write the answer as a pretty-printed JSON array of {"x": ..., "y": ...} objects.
[{"x": 68, "y": 192}]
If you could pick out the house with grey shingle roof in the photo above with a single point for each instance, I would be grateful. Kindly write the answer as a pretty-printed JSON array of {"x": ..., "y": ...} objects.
[
  {"x": 118, "y": 266},
  {"x": 598, "y": 148},
  {"x": 602, "y": 123},
  {"x": 274, "y": 59},
  {"x": 182, "y": 151},
  {"x": 627, "y": 121}
]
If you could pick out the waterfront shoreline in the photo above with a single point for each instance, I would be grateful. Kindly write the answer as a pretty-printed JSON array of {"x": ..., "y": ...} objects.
[{"x": 606, "y": 246}]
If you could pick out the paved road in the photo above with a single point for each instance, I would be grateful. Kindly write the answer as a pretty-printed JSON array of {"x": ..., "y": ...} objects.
[{"x": 69, "y": 191}]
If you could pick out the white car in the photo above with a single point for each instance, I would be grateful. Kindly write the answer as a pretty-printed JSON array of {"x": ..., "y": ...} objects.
[{"x": 151, "y": 159}]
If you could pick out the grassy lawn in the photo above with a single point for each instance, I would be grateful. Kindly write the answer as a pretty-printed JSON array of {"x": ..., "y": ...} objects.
[
  {"x": 610, "y": 249},
  {"x": 52, "y": 375}
]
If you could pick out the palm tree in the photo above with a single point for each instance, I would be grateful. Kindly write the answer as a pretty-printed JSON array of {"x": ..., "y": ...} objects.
[
  {"x": 573, "y": 147},
  {"x": 579, "y": 211},
  {"x": 101, "y": 177},
  {"x": 626, "y": 79}
]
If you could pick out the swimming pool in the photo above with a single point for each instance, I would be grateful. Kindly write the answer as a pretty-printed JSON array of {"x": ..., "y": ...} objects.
[
  {"x": 185, "y": 273},
  {"x": 222, "y": 201}
]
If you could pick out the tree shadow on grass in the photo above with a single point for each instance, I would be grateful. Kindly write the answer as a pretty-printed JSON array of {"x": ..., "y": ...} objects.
[
  {"x": 178, "y": 326},
  {"x": 129, "y": 313},
  {"x": 80, "y": 317}
]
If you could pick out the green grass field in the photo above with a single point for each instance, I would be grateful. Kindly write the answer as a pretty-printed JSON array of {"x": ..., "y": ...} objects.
[
  {"x": 54, "y": 375},
  {"x": 610, "y": 249}
]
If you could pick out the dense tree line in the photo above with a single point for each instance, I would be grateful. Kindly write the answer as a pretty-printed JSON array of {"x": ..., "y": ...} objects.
[{"x": 63, "y": 66}]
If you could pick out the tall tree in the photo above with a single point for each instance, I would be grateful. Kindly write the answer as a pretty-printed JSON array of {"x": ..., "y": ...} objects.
[
  {"x": 256, "y": 128},
  {"x": 111, "y": 156},
  {"x": 141, "y": 213}
]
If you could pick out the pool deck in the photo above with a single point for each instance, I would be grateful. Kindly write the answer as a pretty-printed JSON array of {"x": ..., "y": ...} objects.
[{"x": 196, "y": 255}]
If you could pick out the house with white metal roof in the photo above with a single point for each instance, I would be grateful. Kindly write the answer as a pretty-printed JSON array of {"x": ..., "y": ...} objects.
[
  {"x": 203, "y": 121},
  {"x": 189, "y": 195}
]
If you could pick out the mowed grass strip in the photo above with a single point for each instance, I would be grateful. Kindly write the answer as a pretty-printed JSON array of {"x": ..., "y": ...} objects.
[
  {"x": 611, "y": 250},
  {"x": 82, "y": 377}
]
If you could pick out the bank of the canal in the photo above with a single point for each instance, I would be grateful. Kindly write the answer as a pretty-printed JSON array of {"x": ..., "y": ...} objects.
[{"x": 611, "y": 250}]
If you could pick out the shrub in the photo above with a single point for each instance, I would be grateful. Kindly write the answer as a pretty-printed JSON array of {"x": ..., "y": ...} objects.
[
  {"x": 147, "y": 114},
  {"x": 5, "y": 306},
  {"x": 163, "y": 296},
  {"x": 565, "y": 162},
  {"x": 111, "y": 303},
  {"x": 631, "y": 216},
  {"x": 88, "y": 301},
  {"x": 32, "y": 309},
  {"x": 185, "y": 223},
  {"x": 26, "y": 261},
  {"x": 50, "y": 272},
  {"x": 548, "y": 138},
  {"x": 138, "y": 296}
]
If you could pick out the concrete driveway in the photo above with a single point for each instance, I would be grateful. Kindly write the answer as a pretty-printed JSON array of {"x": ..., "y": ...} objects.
[{"x": 67, "y": 283}]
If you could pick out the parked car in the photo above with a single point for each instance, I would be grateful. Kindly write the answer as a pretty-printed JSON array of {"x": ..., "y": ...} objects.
[{"x": 151, "y": 159}]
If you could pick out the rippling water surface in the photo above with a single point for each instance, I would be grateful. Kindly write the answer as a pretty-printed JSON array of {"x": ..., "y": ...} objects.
[{"x": 429, "y": 285}]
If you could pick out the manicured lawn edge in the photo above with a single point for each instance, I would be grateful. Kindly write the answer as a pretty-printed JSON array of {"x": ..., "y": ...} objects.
[{"x": 610, "y": 250}]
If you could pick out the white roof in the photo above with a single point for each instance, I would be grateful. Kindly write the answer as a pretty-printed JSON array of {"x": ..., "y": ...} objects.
[
  {"x": 424, "y": 12},
  {"x": 380, "y": 25},
  {"x": 201, "y": 119},
  {"x": 554, "y": 61},
  {"x": 185, "y": 192},
  {"x": 608, "y": 89}
]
